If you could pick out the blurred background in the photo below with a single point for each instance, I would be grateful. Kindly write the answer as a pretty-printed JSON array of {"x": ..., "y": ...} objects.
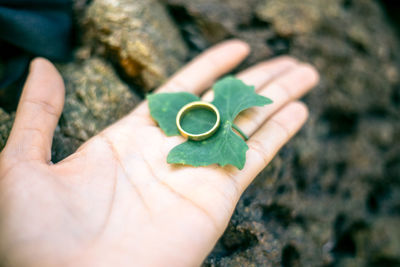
[{"x": 332, "y": 196}]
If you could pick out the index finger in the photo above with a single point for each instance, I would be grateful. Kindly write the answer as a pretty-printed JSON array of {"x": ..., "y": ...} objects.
[{"x": 201, "y": 72}]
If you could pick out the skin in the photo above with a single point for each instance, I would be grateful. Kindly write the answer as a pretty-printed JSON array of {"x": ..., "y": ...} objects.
[{"x": 116, "y": 202}]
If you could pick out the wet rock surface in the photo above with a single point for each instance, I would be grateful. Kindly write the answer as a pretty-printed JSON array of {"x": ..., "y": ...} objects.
[{"x": 332, "y": 195}]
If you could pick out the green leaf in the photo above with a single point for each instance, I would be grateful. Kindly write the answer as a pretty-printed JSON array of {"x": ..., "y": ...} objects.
[
  {"x": 231, "y": 96},
  {"x": 224, "y": 147},
  {"x": 165, "y": 106}
]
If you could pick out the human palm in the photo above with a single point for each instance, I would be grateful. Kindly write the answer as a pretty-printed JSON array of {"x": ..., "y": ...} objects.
[{"x": 116, "y": 201}]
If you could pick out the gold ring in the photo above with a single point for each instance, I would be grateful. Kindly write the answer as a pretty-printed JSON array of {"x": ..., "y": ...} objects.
[{"x": 195, "y": 105}]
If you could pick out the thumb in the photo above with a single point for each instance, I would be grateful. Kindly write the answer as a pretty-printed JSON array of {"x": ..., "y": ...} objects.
[{"x": 38, "y": 112}]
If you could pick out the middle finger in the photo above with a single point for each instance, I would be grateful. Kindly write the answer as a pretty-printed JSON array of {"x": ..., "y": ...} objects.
[{"x": 282, "y": 80}]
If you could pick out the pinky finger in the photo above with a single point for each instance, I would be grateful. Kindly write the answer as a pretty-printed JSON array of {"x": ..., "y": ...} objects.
[{"x": 267, "y": 141}]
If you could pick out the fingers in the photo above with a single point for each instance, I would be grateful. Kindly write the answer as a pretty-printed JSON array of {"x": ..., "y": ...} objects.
[
  {"x": 264, "y": 72},
  {"x": 286, "y": 87},
  {"x": 200, "y": 73},
  {"x": 38, "y": 112},
  {"x": 267, "y": 141},
  {"x": 206, "y": 68},
  {"x": 261, "y": 73}
]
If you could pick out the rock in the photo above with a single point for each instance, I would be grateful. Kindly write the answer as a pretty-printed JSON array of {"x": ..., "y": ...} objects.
[
  {"x": 206, "y": 22},
  {"x": 63, "y": 146},
  {"x": 6, "y": 122},
  {"x": 139, "y": 36},
  {"x": 215, "y": 19},
  {"x": 299, "y": 17},
  {"x": 377, "y": 243},
  {"x": 95, "y": 98}
]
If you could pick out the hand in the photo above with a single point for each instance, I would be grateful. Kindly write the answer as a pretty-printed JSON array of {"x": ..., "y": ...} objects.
[{"x": 116, "y": 202}]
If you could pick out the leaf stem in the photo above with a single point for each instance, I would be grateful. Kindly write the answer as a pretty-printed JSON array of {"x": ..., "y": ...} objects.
[{"x": 234, "y": 126}]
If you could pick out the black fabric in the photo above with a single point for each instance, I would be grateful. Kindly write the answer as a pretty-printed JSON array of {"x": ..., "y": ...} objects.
[{"x": 30, "y": 28}]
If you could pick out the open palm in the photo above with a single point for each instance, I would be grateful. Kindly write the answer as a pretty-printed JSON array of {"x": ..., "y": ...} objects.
[{"x": 116, "y": 202}]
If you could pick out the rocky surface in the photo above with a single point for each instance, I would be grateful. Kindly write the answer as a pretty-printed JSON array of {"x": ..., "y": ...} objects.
[
  {"x": 206, "y": 22},
  {"x": 332, "y": 196},
  {"x": 139, "y": 36},
  {"x": 6, "y": 121},
  {"x": 95, "y": 97}
]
